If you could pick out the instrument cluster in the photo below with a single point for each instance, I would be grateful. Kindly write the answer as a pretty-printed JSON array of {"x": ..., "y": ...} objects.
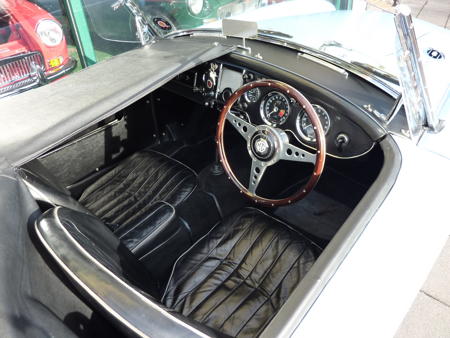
[
  {"x": 213, "y": 83},
  {"x": 270, "y": 107},
  {"x": 275, "y": 110},
  {"x": 278, "y": 110}
]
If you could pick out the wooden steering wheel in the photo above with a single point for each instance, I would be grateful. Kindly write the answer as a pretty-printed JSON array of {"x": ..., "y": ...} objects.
[{"x": 267, "y": 145}]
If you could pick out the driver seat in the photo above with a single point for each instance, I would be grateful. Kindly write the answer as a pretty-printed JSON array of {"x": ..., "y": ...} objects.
[{"x": 231, "y": 282}]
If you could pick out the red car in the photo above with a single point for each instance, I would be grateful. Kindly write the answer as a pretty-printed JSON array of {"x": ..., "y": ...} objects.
[{"x": 33, "y": 48}]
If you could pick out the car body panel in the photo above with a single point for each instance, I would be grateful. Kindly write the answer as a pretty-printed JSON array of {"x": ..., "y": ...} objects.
[{"x": 377, "y": 282}]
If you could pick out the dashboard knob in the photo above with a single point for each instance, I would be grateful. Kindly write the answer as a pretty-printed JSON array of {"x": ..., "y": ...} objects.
[
  {"x": 209, "y": 84},
  {"x": 226, "y": 94},
  {"x": 341, "y": 141},
  {"x": 248, "y": 77}
]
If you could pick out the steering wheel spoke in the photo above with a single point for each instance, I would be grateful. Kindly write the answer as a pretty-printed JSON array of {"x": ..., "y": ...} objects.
[
  {"x": 244, "y": 128},
  {"x": 296, "y": 154},
  {"x": 256, "y": 173}
]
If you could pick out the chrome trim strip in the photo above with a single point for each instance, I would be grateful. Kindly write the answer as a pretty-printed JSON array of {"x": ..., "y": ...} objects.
[
  {"x": 24, "y": 85},
  {"x": 67, "y": 68},
  {"x": 20, "y": 71}
]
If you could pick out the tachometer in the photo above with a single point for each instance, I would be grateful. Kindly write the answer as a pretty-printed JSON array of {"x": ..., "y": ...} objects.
[
  {"x": 252, "y": 95},
  {"x": 304, "y": 126},
  {"x": 275, "y": 109}
]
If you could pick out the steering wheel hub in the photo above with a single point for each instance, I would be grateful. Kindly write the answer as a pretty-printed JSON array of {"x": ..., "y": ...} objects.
[{"x": 262, "y": 145}]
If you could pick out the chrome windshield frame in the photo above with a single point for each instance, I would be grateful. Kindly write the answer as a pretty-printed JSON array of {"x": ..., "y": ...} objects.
[{"x": 419, "y": 112}]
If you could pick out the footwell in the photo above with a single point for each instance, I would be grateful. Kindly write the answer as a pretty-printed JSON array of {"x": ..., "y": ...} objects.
[{"x": 316, "y": 214}]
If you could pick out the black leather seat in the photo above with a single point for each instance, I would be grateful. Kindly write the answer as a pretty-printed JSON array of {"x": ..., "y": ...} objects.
[
  {"x": 233, "y": 280},
  {"x": 136, "y": 199},
  {"x": 237, "y": 277},
  {"x": 125, "y": 194}
]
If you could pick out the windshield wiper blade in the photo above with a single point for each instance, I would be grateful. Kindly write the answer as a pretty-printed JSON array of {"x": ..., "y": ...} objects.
[{"x": 274, "y": 33}]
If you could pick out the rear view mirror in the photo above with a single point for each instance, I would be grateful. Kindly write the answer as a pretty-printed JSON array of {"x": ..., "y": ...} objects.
[{"x": 238, "y": 28}]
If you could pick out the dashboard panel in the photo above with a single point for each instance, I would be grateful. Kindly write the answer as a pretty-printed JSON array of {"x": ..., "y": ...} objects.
[{"x": 213, "y": 83}]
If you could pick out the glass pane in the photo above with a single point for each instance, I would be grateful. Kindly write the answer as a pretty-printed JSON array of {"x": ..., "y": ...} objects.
[{"x": 35, "y": 45}]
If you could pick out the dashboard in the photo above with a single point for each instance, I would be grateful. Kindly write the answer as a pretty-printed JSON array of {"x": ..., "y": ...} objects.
[{"x": 213, "y": 83}]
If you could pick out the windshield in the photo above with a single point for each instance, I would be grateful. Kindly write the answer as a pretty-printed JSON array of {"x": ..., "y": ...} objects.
[
  {"x": 53, "y": 38},
  {"x": 344, "y": 29}
]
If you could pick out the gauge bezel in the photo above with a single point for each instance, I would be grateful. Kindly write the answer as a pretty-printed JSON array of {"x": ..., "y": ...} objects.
[
  {"x": 299, "y": 118},
  {"x": 262, "y": 108},
  {"x": 257, "y": 97}
]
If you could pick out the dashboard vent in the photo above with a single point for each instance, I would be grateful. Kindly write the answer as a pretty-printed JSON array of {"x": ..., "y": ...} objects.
[{"x": 435, "y": 54}]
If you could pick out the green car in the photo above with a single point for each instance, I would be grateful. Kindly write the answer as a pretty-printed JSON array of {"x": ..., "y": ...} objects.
[{"x": 187, "y": 14}]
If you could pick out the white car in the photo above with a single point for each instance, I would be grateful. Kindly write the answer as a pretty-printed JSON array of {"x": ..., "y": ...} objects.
[{"x": 230, "y": 182}]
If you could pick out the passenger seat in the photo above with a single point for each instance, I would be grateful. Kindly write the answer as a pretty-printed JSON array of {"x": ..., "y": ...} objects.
[{"x": 136, "y": 199}]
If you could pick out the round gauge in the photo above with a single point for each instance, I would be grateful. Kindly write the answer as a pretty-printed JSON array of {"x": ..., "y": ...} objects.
[
  {"x": 305, "y": 127},
  {"x": 252, "y": 95},
  {"x": 275, "y": 109}
]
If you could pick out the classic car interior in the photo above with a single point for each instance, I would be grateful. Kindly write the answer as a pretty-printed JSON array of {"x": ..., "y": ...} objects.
[{"x": 209, "y": 203}]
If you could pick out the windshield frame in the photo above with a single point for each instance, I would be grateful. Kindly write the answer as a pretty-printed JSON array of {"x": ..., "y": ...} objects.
[{"x": 392, "y": 89}]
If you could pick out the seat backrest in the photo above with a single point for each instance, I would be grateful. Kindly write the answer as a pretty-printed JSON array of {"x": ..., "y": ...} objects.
[
  {"x": 45, "y": 188},
  {"x": 108, "y": 274},
  {"x": 98, "y": 242}
]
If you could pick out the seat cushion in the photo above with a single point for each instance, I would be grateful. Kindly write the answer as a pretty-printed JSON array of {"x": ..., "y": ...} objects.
[
  {"x": 238, "y": 276},
  {"x": 124, "y": 195}
]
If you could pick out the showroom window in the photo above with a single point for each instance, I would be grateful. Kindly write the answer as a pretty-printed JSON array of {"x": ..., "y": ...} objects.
[
  {"x": 36, "y": 46},
  {"x": 42, "y": 41}
]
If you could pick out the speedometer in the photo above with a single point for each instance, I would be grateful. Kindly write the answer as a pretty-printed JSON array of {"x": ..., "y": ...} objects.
[
  {"x": 275, "y": 109},
  {"x": 305, "y": 127}
]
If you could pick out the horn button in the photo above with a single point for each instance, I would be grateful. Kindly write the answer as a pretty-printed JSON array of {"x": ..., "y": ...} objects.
[{"x": 263, "y": 145}]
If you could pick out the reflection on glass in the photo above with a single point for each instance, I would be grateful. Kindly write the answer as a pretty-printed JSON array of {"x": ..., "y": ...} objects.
[{"x": 33, "y": 47}]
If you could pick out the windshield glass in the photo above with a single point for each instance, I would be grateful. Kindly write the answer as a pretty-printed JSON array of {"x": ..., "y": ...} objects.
[
  {"x": 44, "y": 40},
  {"x": 352, "y": 30},
  {"x": 341, "y": 28}
]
